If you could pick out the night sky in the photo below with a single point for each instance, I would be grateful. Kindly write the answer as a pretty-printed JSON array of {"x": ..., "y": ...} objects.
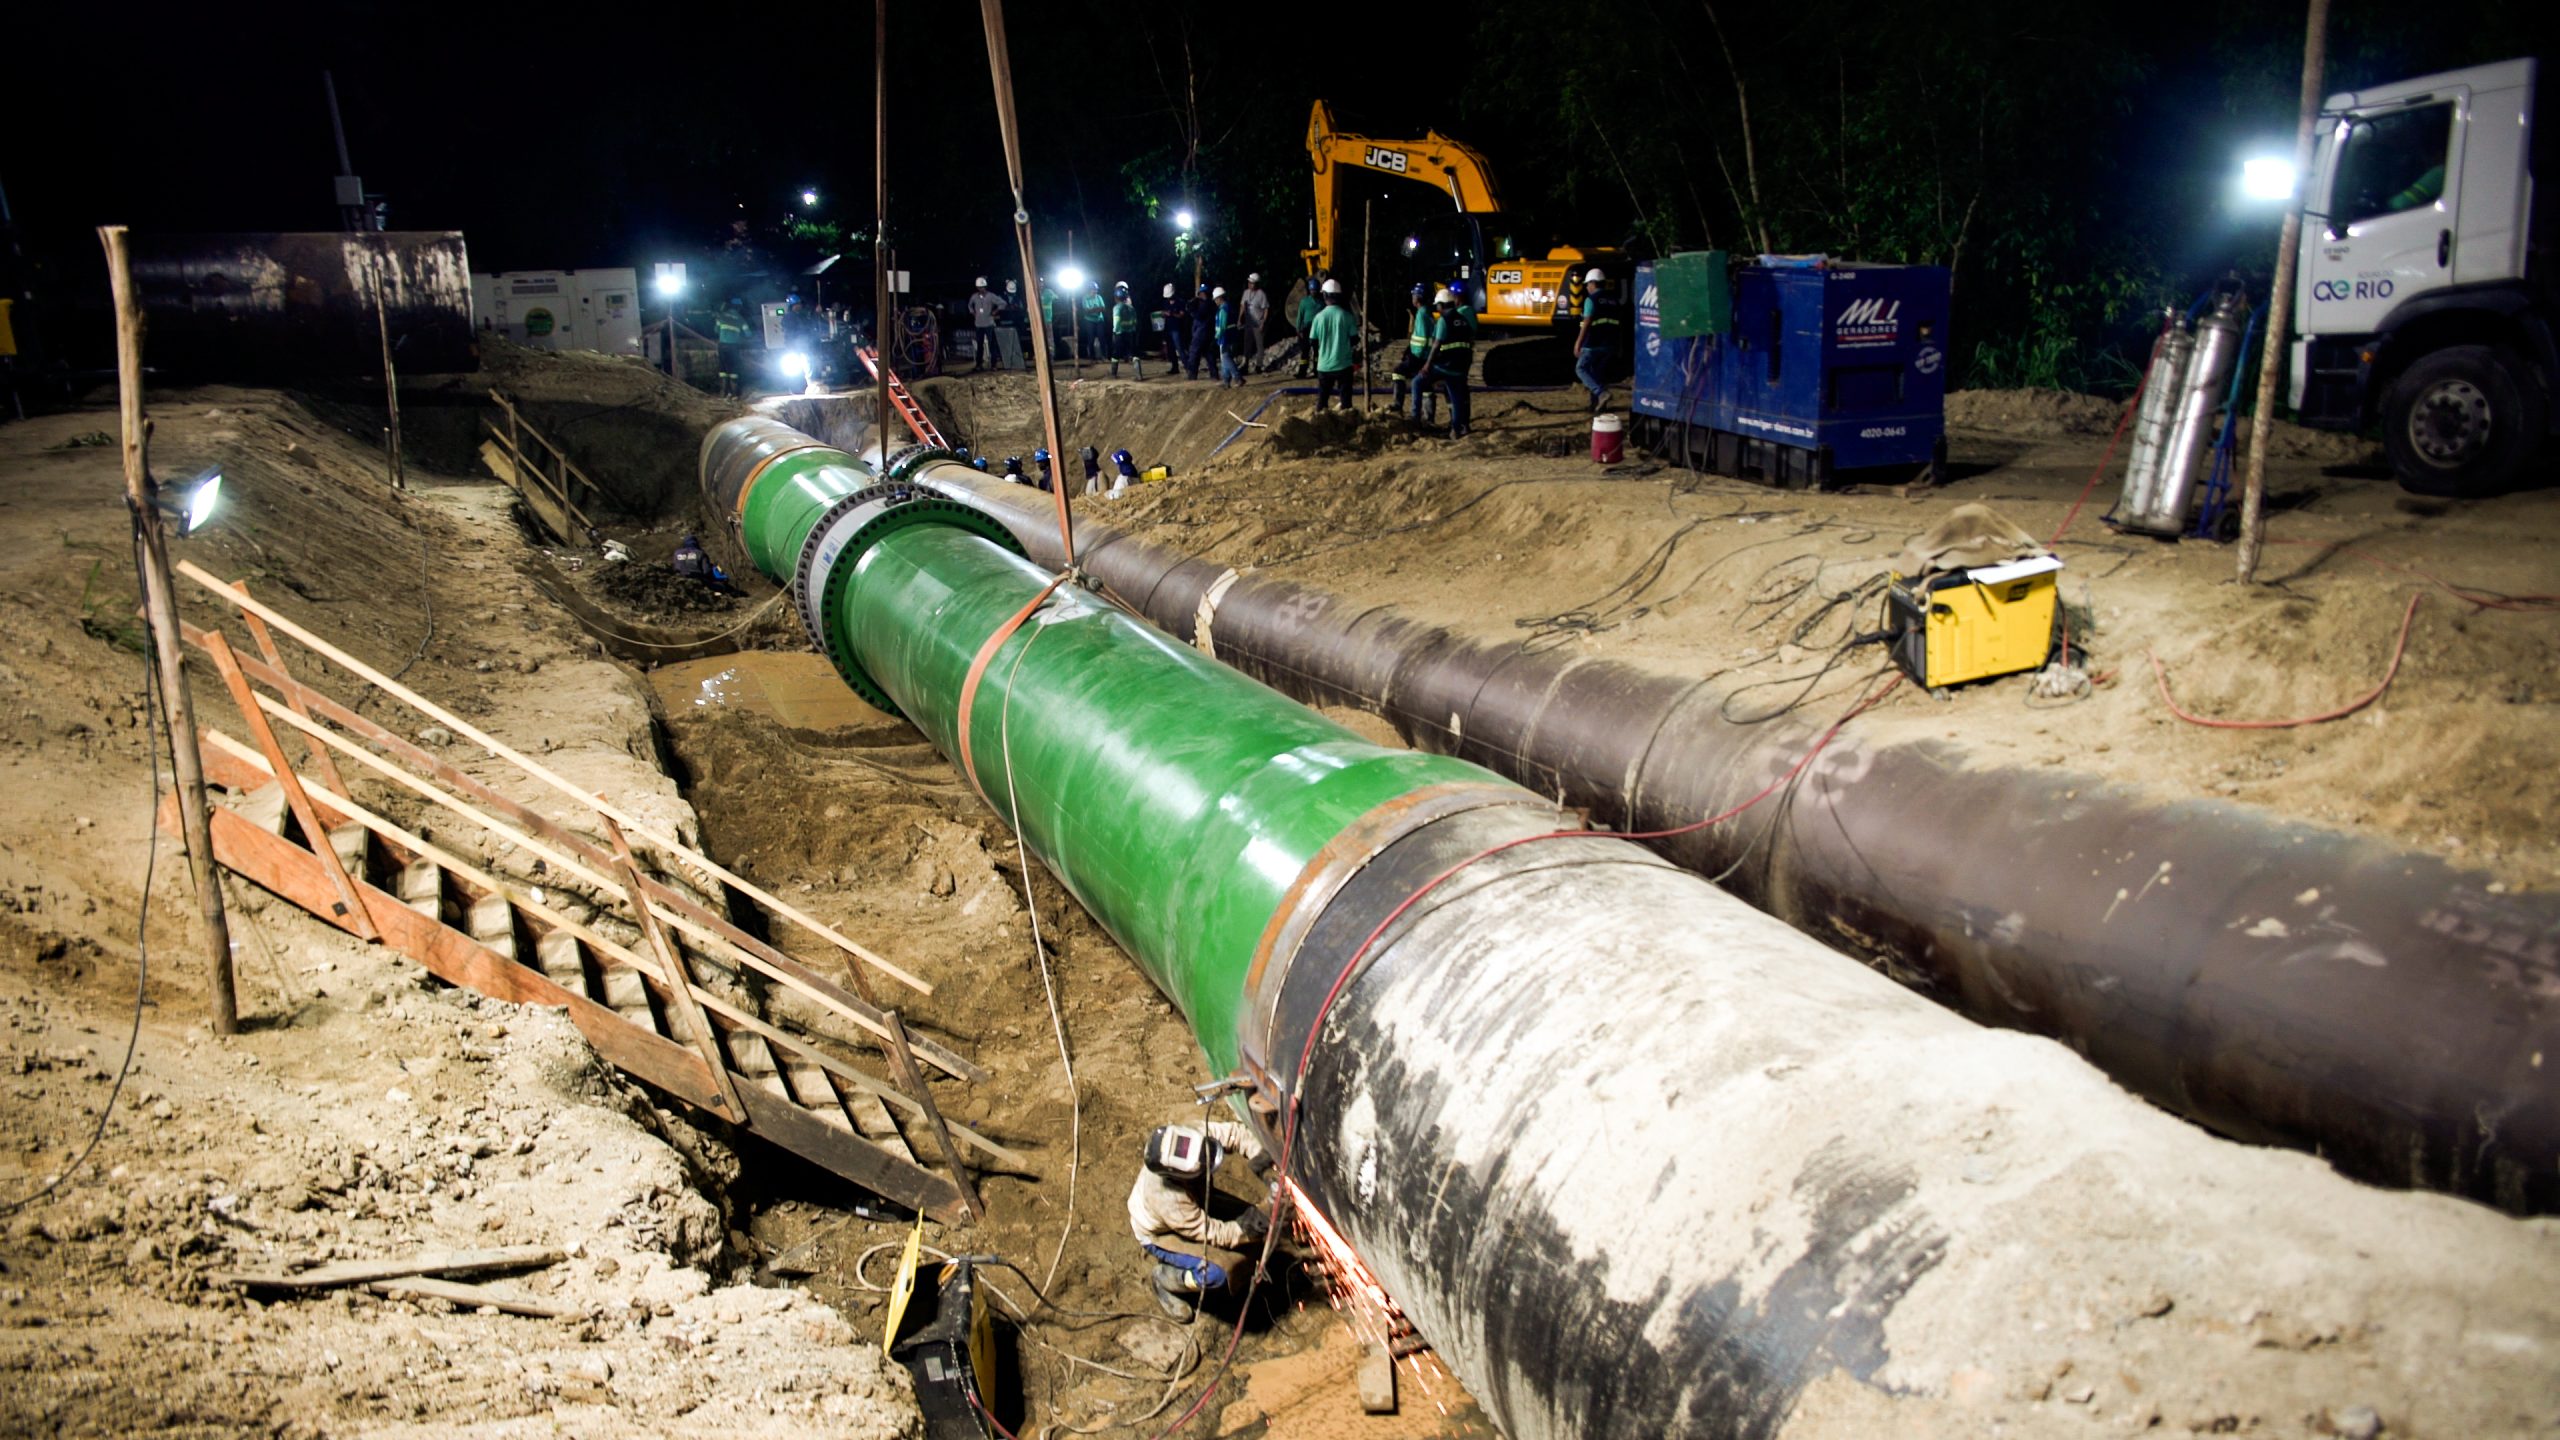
[{"x": 2103, "y": 134}]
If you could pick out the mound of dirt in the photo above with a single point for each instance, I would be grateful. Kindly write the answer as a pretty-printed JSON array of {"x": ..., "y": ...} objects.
[
  {"x": 1336, "y": 432},
  {"x": 2064, "y": 412},
  {"x": 648, "y": 591}
]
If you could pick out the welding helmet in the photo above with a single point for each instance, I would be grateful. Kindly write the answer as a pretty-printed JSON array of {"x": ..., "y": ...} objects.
[{"x": 1181, "y": 1152}]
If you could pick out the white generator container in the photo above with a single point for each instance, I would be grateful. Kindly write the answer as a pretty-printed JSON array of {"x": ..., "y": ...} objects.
[{"x": 562, "y": 309}]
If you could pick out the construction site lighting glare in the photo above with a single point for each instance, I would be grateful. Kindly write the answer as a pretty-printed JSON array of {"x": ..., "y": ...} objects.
[
  {"x": 669, "y": 285},
  {"x": 201, "y": 503},
  {"x": 2267, "y": 177},
  {"x": 794, "y": 363},
  {"x": 1182, "y": 219},
  {"x": 809, "y": 197},
  {"x": 1072, "y": 277}
]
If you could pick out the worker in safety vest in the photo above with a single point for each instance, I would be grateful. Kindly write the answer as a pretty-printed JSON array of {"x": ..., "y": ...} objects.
[
  {"x": 1256, "y": 307},
  {"x": 1049, "y": 321},
  {"x": 729, "y": 329},
  {"x": 1124, "y": 331},
  {"x": 1170, "y": 1211},
  {"x": 1453, "y": 355},
  {"x": 983, "y": 308},
  {"x": 1093, "y": 322},
  {"x": 1224, "y": 326},
  {"x": 1602, "y": 338},
  {"x": 1408, "y": 372}
]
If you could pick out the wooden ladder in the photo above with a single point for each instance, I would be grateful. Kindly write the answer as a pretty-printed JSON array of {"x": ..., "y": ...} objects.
[
  {"x": 905, "y": 404},
  {"x": 664, "y": 1001}
]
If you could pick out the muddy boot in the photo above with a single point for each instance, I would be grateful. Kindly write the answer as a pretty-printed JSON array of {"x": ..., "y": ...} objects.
[{"x": 1176, "y": 1294}]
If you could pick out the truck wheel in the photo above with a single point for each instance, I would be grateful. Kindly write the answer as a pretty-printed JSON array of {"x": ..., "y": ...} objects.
[{"x": 2462, "y": 422}]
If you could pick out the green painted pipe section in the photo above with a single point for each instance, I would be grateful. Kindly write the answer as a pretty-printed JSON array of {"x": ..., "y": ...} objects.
[
  {"x": 1176, "y": 799},
  {"x": 787, "y": 498}
]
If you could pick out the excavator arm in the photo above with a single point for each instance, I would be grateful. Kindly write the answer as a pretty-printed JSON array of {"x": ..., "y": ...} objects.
[{"x": 1449, "y": 166}]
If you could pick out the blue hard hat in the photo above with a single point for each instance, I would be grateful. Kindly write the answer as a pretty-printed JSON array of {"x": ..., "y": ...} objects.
[
  {"x": 1120, "y": 457},
  {"x": 1421, "y": 291},
  {"x": 980, "y": 463},
  {"x": 1041, "y": 455}
]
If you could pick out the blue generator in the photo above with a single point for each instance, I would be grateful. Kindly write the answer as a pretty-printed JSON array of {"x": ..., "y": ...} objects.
[{"x": 1830, "y": 368}]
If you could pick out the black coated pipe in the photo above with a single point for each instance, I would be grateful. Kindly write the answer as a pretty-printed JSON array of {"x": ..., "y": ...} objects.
[{"x": 2282, "y": 983}]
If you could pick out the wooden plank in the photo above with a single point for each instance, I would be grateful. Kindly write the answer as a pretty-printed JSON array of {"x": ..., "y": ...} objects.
[
  {"x": 547, "y": 512},
  {"x": 853, "y": 1157},
  {"x": 294, "y": 873},
  {"x": 685, "y": 914},
  {"x": 933, "y": 1117},
  {"x": 266, "y": 643},
  {"x": 338, "y": 1273},
  {"x": 315, "y": 831},
  {"x": 679, "y": 982},
  {"x": 543, "y": 773},
  {"x": 469, "y": 1296}
]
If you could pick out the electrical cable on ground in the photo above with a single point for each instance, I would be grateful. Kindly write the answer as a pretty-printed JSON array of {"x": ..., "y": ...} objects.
[
  {"x": 426, "y": 597},
  {"x": 2407, "y": 618},
  {"x": 155, "y": 703}
]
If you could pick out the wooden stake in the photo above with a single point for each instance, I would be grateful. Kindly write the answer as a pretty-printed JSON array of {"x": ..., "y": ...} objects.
[
  {"x": 160, "y": 605},
  {"x": 906, "y": 1059},
  {"x": 2253, "y": 486},
  {"x": 390, "y": 375},
  {"x": 679, "y": 979},
  {"x": 315, "y": 831},
  {"x": 538, "y": 771}
]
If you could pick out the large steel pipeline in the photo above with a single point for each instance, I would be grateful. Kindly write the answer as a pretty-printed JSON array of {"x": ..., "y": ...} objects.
[
  {"x": 1640, "y": 1160},
  {"x": 2282, "y": 983}
]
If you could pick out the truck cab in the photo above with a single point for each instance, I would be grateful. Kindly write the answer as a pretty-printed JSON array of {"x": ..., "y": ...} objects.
[{"x": 2423, "y": 296}]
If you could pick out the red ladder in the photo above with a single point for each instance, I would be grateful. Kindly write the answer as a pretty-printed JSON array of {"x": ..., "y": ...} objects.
[{"x": 907, "y": 408}]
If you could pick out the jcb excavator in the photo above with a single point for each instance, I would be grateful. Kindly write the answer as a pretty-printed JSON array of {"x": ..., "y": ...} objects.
[{"x": 1471, "y": 240}]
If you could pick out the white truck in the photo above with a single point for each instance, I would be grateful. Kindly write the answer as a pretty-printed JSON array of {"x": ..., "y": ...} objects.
[{"x": 2425, "y": 298}]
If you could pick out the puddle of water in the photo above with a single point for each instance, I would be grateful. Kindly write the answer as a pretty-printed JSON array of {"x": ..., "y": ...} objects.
[{"x": 798, "y": 688}]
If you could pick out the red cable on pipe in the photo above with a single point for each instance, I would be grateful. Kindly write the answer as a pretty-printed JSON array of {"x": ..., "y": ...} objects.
[{"x": 2161, "y": 672}]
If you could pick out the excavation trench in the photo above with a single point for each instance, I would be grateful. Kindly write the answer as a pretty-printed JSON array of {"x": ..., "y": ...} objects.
[{"x": 1638, "y": 1159}]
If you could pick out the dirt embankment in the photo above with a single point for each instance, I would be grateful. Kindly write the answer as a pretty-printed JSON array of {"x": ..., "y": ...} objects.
[{"x": 362, "y": 1113}]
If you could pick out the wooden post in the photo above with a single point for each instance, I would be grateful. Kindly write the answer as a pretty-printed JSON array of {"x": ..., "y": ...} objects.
[
  {"x": 1368, "y": 386},
  {"x": 160, "y": 605},
  {"x": 2253, "y": 486},
  {"x": 390, "y": 374}
]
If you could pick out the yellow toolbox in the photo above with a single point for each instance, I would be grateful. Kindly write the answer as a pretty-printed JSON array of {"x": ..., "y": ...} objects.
[{"x": 1961, "y": 625}]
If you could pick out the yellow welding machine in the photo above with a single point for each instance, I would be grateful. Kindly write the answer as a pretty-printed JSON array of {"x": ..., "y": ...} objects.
[{"x": 1960, "y": 625}]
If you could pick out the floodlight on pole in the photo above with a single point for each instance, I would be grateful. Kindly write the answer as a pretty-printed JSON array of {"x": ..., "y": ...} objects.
[
  {"x": 192, "y": 509},
  {"x": 670, "y": 286},
  {"x": 1182, "y": 219},
  {"x": 2267, "y": 177},
  {"x": 1072, "y": 277},
  {"x": 809, "y": 198}
]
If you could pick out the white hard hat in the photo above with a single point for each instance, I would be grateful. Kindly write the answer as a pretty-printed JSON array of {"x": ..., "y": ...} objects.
[
  {"x": 1168, "y": 292},
  {"x": 1254, "y": 279},
  {"x": 982, "y": 282},
  {"x": 1333, "y": 287},
  {"x": 1008, "y": 287},
  {"x": 1218, "y": 294},
  {"x": 1593, "y": 276},
  {"x": 1442, "y": 296}
]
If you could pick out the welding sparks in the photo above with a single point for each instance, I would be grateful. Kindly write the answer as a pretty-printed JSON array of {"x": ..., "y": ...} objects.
[{"x": 1354, "y": 1291}]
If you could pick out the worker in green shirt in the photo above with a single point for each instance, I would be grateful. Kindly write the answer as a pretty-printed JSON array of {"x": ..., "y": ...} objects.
[
  {"x": 729, "y": 328},
  {"x": 1093, "y": 324},
  {"x": 1049, "y": 321},
  {"x": 1310, "y": 305},
  {"x": 1124, "y": 331},
  {"x": 1337, "y": 341},
  {"x": 1602, "y": 338},
  {"x": 1453, "y": 355}
]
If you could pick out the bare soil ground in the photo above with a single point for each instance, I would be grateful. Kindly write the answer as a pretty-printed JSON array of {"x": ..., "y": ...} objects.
[
  {"x": 1514, "y": 533},
  {"x": 365, "y": 1113}
]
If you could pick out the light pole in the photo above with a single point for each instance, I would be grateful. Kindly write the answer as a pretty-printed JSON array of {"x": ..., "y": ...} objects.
[{"x": 670, "y": 285}]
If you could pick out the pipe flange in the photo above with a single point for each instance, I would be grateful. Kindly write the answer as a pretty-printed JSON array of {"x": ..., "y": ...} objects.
[
  {"x": 826, "y": 541},
  {"x": 903, "y": 465},
  {"x": 925, "y": 508}
]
